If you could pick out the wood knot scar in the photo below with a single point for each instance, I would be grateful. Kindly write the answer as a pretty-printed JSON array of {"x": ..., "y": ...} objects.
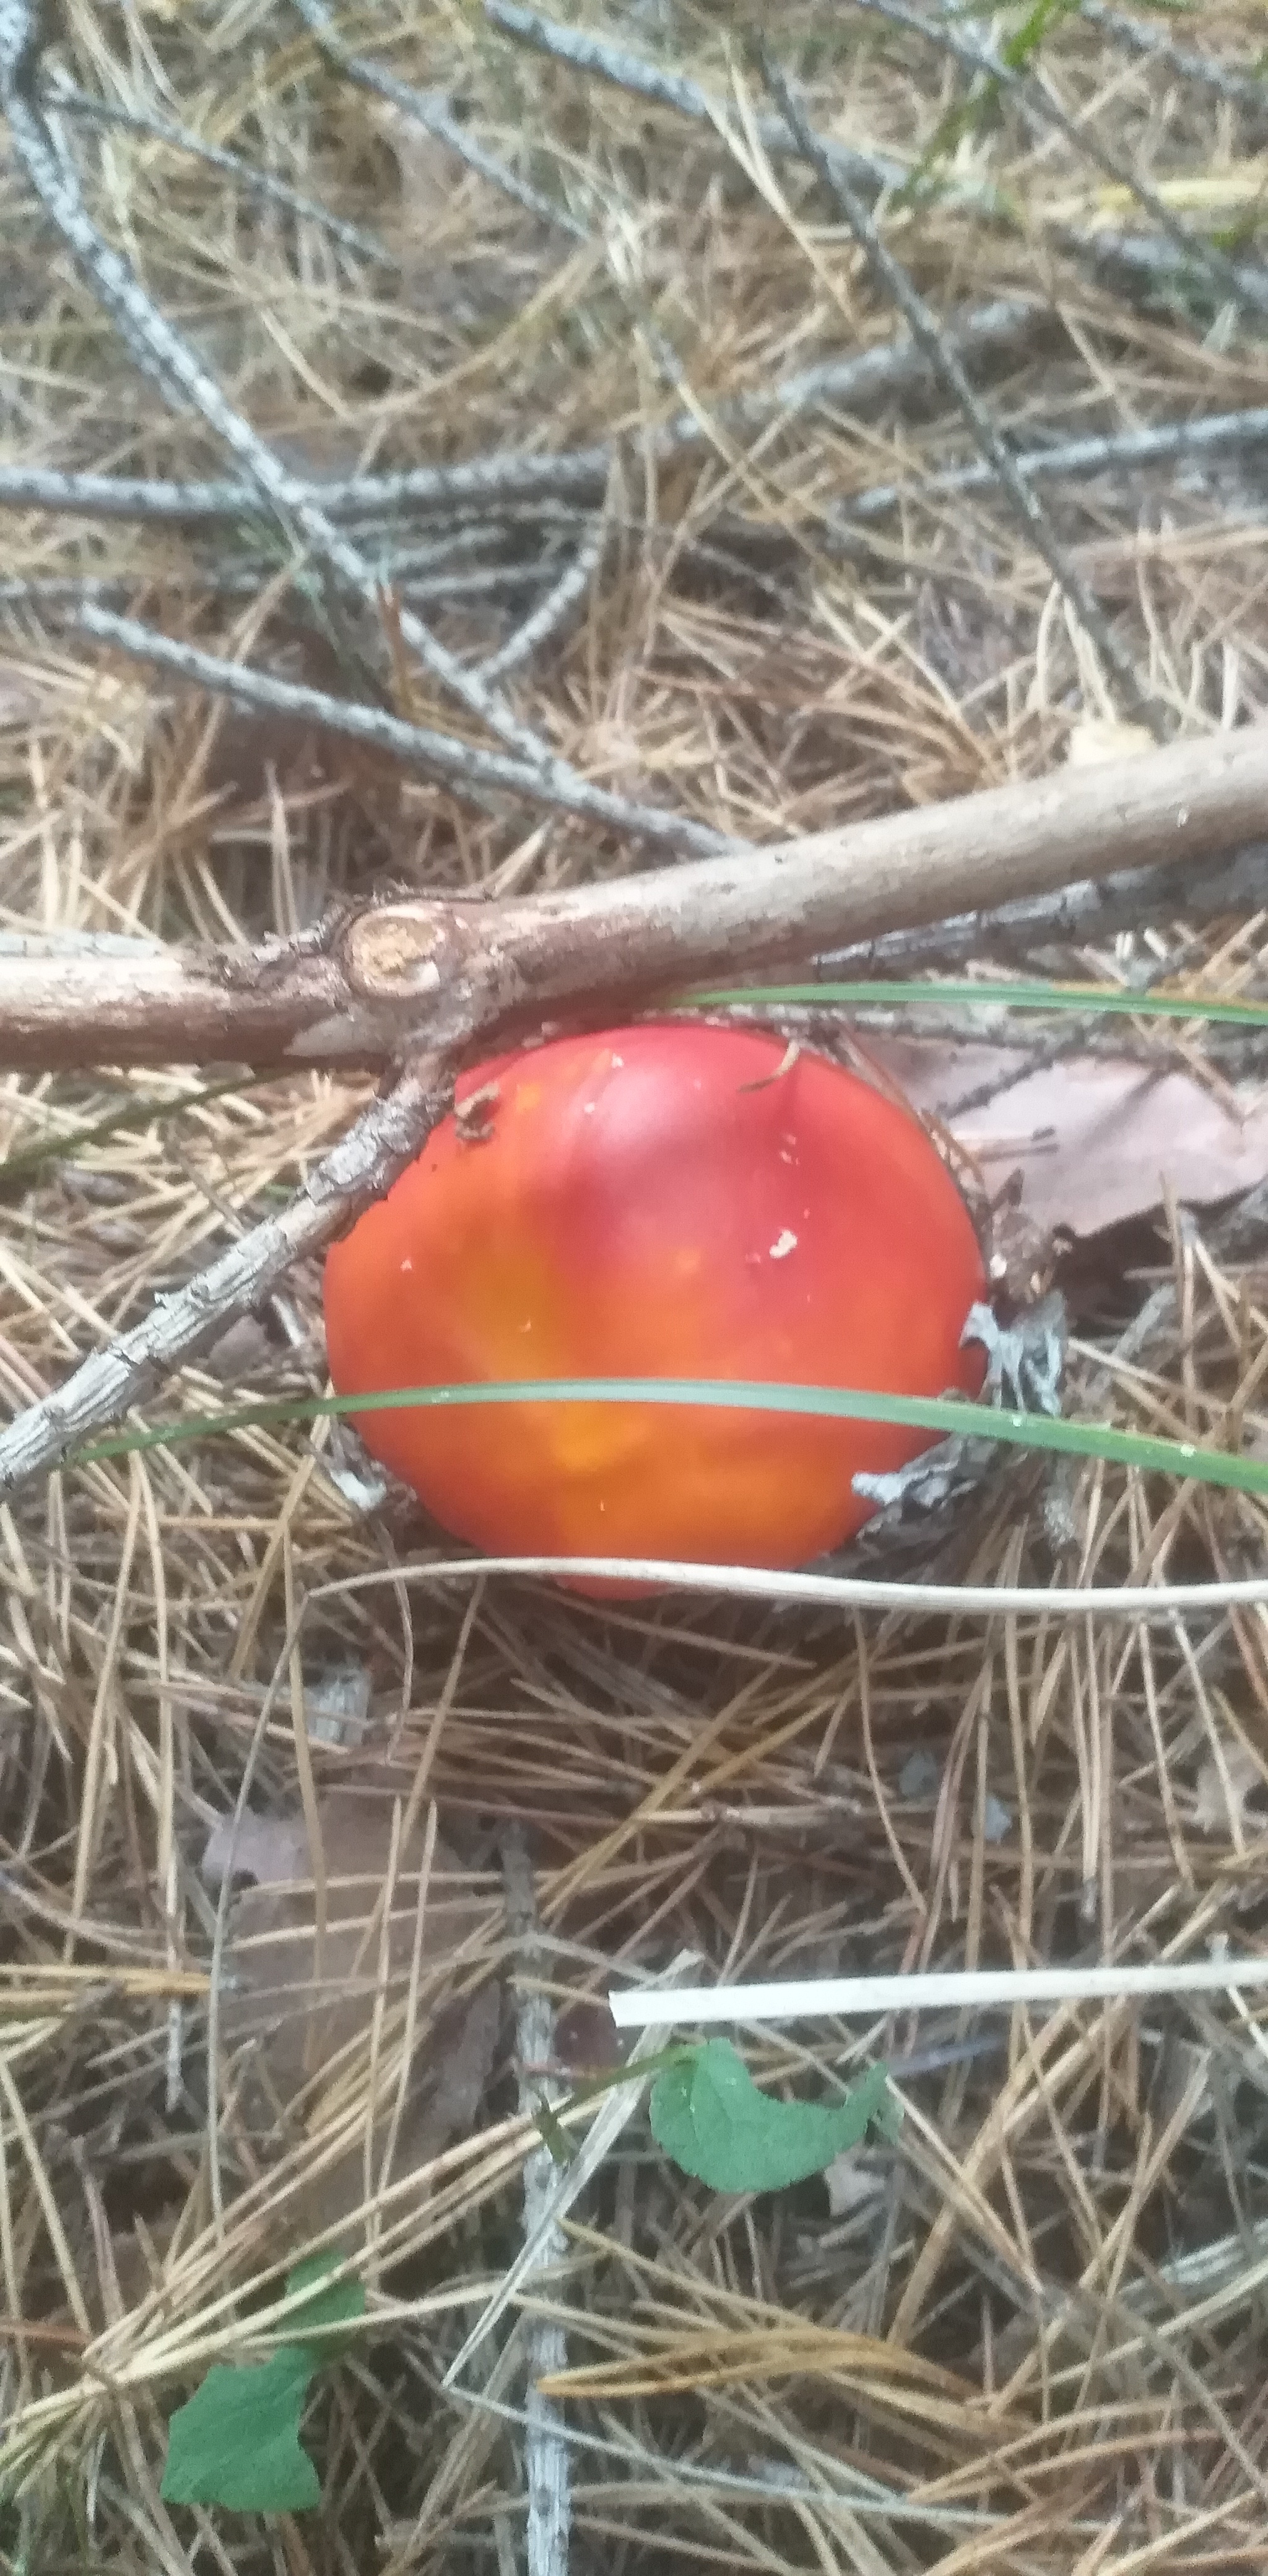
[{"x": 394, "y": 951}]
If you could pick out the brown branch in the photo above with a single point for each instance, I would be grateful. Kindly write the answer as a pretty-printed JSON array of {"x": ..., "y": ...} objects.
[{"x": 433, "y": 971}]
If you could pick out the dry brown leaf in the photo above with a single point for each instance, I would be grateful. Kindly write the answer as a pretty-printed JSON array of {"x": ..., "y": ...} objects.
[
  {"x": 267, "y": 1849},
  {"x": 1097, "y": 1138},
  {"x": 318, "y": 2060},
  {"x": 1097, "y": 738},
  {"x": 1221, "y": 1791}
]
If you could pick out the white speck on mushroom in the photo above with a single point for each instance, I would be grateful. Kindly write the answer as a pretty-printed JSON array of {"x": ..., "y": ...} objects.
[
  {"x": 407, "y": 1265},
  {"x": 617, "y": 1062},
  {"x": 587, "y": 1109},
  {"x": 784, "y": 1244}
]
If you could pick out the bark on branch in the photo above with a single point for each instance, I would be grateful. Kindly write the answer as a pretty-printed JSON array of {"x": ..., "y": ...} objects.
[{"x": 376, "y": 986}]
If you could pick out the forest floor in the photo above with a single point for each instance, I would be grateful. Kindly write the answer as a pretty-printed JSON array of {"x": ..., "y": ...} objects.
[{"x": 1022, "y": 2327}]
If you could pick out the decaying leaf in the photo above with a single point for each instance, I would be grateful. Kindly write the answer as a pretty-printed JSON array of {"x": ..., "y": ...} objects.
[
  {"x": 1222, "y": 1789},
  {"x": 269, "y": 1850},
  {"x": 1097, "y": 1139},
  {"x": 324, "y": 1987}
]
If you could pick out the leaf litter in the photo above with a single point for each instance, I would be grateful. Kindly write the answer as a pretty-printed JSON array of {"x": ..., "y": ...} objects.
[
  {"x": 311, "y": 1963},
  {"x": 1097, "y": 1140}
]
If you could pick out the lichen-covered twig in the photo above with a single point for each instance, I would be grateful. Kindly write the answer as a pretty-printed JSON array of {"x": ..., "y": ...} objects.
[
  {"x": 437, "y": 755},
  {"x": 1042, "y": 109},
  {"x": 865, "y": 377},
  {"x": 1140, "y": 265},
  {"x": 1067, "y": 460},
  {"x": 1079, "y": 915},
  {"x": 433, "y": 117},
  {"x": 596, "y": 57},
  {"x": 551, "y": 612},
  {"x": 174, "y": 366},
  {"x": 364, "y": 1164},
  {"x": 70, "y": 101},
  {"x": 1238, "y": 88},
  {"x": 922, "y": 323}
]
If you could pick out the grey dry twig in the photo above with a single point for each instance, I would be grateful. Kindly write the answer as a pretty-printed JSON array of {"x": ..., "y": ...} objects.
[
  {"x": 71, "y": 101},
  {"x": 434, "y": 118},
  {"x": 358, "y": 1169},
  {"x": 546, "y": 2449},
  {"x": 1221, "y": 434},
  {"x": 491, "y": 482},
  {"x": 1237, "y": 88},
  {"x": 922, "y": 323},
  {"x": 163, "y": 355},
  {"x": 1040, "y": 108},
  {"x": 595, "y": 57},
  {"x": 437, "y": 755}
]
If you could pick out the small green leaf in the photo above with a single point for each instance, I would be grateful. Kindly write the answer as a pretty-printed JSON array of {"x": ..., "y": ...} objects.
[
  {"x": 339, "y": 2305},
  {"x": 237, "y": 2442},
  {"x": 711, "y": 2118}
]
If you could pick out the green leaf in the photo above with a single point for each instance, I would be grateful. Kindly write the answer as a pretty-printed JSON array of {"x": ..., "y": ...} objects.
[
  {"x": 341, "y": 2304},
  {"x": 710, "y": 2117},
  {"x": 237, "y": 2442}
]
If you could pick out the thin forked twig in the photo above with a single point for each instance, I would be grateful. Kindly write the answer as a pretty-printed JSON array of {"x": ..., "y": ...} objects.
[
  {"x": 551, "y": 612},
  {"x": 1079, "y": 915},
  {"x": 439, "y": 755},
  {"x": 1042, "y": 109},
  {"x": 1222, "y": 434},
  {"x": 245, "y": 581},
  {"x": 865, "y": 376},
  {"x": 596, "y": 57},
  {"x": 70, "y": 101},
  {"x": 165, "y": 356},
  {"x": 1139, "y": 264},
  {"x": 894, "y": 281},
  {"x": 435, "y": 119},
  {"x": 1239, "y": 89}
]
